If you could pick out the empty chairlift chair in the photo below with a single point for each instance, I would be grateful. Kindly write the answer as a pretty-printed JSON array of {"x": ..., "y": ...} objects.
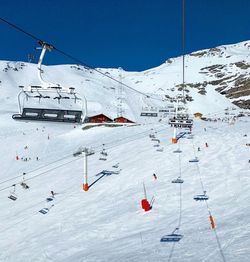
[
  {"x": 50, "y": 102},
  {"x": 202, "y": 197},
  {"x": 173, "y": 237},
  {"x": 13, "y": 195},
  {"x": 178, "y": 180},
  {"x": 195, "y": 160}
]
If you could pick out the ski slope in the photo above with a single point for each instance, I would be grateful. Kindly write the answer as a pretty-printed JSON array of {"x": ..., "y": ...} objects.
[{"x": 107, "y": 222}]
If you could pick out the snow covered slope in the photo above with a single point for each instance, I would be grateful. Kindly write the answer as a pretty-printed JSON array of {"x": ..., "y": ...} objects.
[{"x": 107, "y": 223}]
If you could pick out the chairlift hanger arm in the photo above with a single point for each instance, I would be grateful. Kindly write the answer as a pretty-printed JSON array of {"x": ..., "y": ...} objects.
[{"x": 45, "y": 47}]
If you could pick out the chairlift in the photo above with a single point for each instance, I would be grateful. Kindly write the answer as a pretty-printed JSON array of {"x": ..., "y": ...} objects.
[
  {"x": 181, "y": 118},
  {"x": 202, "y": 197},
  {"x": 23, "y": 183},
  {"x": 149, "y": 111},
  {"x": 174, "y": 237},
  {"x": 13, "y": 195},
  {"x": 116, "y": 172},
  {"x": 178, "y": 180},
  {"x": 89, "y": 151},
  {"x": 180, "y": 121},
  {"x": 116, "y": 165},
  {"x": 73, "y": 111},
  {"x": 111, "y": 172},
  {"x": 177, "y": 151},
  {"x": 103, "y": 154},
  {"x": 195, "y": 160},
  {"x": 45, "y": 210}
]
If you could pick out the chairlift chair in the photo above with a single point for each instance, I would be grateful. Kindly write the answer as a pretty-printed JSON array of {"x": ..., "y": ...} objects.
[
  {"x": 202, "y": 197},
  {"x": 178, "y": 180},
  {"x": 37, "y": 103},
  {"x": 180, "y": 121},
  {"x": 44, "y": 211},
  {"x": 103, "y": 155},
  {"x": 177, "y": 151},
  {"x": 173, "y": 237},
  {"x": 181, "y": 118},
  {"x": 116, "y": 165},
  {"x": 149, "y": 111},
  {"x": 195, "y": 160},
  {"x": 23, "y": 183},
  {"x": 13, "y": 195}
]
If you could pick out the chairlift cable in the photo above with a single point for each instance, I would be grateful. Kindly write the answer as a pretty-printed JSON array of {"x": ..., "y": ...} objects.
[
  {"x": 42, "y": 173},
  {"x": 53, "y": 168},
  {"x": 36, "y": 169},
  {"x": 183, "y": 50},
  {"x": 79, "y": 61},
  {"x": 35, "y": 213},
  {"x": 68, "y": 156},
  {"x": 208, "y": 209}
]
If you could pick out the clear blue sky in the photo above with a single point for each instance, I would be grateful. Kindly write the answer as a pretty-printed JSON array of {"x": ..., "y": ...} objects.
[{"x": 133, "y": 34}]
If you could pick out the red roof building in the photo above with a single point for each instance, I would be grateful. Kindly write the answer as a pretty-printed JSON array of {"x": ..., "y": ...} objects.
[
  {"x": 101, "y": 118},
  {"x": 122, "y": 119}
]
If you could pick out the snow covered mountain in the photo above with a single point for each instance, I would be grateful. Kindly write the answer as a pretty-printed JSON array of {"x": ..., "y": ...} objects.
[
  {"x": 215, "y": 79},
  {"x": 107, "y": 223}
]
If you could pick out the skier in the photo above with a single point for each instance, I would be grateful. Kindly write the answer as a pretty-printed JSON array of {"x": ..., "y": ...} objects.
[
  {"x": 199, "y": 149},
  {"x": 155, "y": 177}
]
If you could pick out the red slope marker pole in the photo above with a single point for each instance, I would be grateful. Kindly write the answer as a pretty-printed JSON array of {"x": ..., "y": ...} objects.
[
  {"x": 212, "y": 221},
  {"x": 85, "y": 185},
  {"x": 144, "y": 203},
  {"x": 174, "y": 139}
]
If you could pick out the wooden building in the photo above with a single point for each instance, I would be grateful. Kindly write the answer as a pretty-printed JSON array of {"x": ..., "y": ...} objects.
[
  {"x": 100, "y": 118},
  {"x": 122, "y": 119}
]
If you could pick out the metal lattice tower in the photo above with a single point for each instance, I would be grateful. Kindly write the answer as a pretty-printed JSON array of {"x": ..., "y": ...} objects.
[{"x": 120, "y": 95}]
